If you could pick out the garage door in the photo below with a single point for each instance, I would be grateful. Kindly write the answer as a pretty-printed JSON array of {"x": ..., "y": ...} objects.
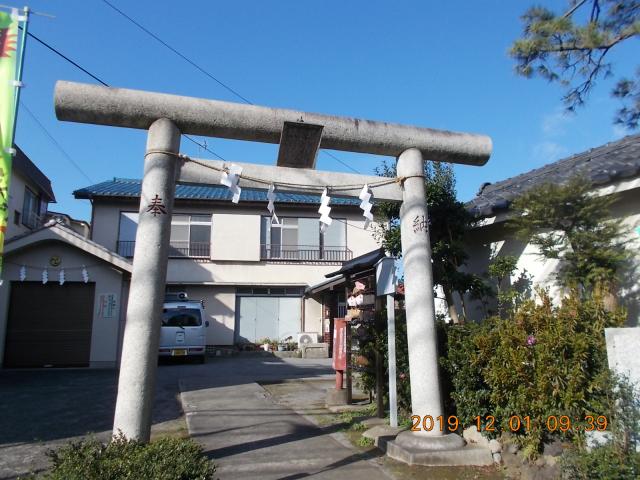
[
  {"x": 49, "y": 325},
  {"x": 271, "y": 317}
]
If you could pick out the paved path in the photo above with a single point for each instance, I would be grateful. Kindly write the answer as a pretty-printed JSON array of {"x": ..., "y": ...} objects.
[
  {"x": 248, "y": 434},
  {"x": 251, "y": 436}
]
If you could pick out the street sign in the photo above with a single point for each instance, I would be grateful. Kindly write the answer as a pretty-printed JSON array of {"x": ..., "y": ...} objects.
[{"x": 386, "y": 280}]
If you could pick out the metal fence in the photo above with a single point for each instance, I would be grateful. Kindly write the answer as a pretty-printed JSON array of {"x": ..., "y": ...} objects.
[
  {"x": 305, "y": 253},
  {"x": 176, "y": 249},
  {"x": 32, "y": 220}
]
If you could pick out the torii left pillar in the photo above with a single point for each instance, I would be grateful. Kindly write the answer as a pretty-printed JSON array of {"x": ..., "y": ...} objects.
[{"x": 139, "y": 361}]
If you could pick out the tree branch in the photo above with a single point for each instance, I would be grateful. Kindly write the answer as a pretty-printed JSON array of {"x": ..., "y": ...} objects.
[{"x": 574, "y": 8}]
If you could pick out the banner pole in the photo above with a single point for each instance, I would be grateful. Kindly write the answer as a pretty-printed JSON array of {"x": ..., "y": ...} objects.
[
  {"x": 23, "y": 46},
  {"x": 14, "y": 77}
]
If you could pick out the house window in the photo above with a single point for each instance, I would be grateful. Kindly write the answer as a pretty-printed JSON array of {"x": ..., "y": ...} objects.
[
  {"x": 299, "y": 238},
  {"x": 30, "y": 209},
  {"x": 273, "y": 291},
  {"x": 190, "y": 235}
]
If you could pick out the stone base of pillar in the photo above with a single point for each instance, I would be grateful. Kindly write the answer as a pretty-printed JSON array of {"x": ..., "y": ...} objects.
[
  {"x": 444, "y": 450},
  {"x": 336, "y": 396}
]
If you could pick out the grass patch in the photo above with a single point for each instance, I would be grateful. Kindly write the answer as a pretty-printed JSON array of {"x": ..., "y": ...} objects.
[
  {"x": 358, "y": 427},
  {"x": 365, "y": 442}
]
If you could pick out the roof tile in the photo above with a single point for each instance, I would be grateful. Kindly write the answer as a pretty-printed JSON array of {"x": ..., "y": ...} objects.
[
  {"x": 130, "y": 188},
  {"x": 619, "y": 159}
]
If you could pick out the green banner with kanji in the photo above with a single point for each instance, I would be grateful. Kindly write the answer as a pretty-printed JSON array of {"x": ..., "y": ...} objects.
[{"x": 8, "y": 62}]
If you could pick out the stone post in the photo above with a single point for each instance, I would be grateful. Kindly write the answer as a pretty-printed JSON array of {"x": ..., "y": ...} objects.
[
  {"x": 391, "y": 342},
  {"x": 138, "y": 364},
  {"x": 418, "y": 284},
  {"x": 421, "y": 328}
]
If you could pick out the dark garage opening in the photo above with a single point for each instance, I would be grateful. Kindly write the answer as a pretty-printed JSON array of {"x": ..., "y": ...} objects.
[{"x": 49, "y": 325}]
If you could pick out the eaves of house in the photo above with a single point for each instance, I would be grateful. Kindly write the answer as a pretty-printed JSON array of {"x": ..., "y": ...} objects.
[
  {"x": 22, "y": 163},
  {"x": 55, "y": 231},
  {"x": 613, "y": 162}
]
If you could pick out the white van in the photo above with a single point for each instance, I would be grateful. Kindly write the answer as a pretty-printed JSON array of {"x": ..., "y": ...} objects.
[{"x": 183, "y": 328}]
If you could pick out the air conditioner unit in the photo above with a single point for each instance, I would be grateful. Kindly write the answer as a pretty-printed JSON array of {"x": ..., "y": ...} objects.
[
  {"x": 307, "y": 337},
  {"x": 176, "y": 297}
]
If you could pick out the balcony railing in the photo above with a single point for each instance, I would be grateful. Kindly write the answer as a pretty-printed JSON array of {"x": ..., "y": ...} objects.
[
  {"x": 176, "y": 249},
  {"x": 32, "y": 220},
  {"x": 305, "y": 253}
]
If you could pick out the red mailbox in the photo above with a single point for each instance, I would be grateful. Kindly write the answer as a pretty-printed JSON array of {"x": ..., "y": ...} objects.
[{"x": 339, "y": 349}]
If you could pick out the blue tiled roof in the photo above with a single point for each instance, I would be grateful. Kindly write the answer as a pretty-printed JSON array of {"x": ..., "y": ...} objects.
[{"x": 130, "y": 188}]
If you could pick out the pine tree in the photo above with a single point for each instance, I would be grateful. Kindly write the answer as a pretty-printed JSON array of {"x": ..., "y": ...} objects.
[
  {"x": 569, "y": 223},
  {"x": 571, "y": 48},
  {"x": 448, "y": 223}
]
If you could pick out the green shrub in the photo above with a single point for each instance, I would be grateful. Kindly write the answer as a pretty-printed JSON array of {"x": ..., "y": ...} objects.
[
  {"x": 602, "y": 463},
  {"x": 468, "y": 394},
  {"x": 540, "y": 361},
  {"x": 618, "y": 459},
  {"x": 122, "y": 459},
  {"x": 373, "y": 340}
]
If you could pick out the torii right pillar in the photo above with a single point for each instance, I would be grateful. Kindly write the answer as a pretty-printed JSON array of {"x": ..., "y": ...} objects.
[{"x": 430, "y": 445}]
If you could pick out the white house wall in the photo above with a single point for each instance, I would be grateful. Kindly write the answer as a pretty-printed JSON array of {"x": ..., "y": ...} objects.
[
  {"x": 627, "y": 211},
  {"x": 313, "y": 316},
  {"x": 238, "y": 242},
  {"x": 235, "y": 258},
  {"x": 492, "y": 240},
  {"x": 235, "y": 237},
  {"x": 16, "y": 202},
  {"x": 246, "y": 273},
  {"x": 219, "y": 306}
]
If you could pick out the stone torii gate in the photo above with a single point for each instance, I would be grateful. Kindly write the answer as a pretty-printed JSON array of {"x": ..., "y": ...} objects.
[{"x": 300, "y": 135}]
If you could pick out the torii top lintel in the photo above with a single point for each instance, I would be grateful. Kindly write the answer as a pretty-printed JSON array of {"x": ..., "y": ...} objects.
[{"x": 85, "y": 103}]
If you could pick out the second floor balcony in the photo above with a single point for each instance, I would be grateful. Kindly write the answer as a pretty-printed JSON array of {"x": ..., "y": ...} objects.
[
  {"x": 295, "y": 253},
  {"x": 176, "y": 249},
  {"x": 305, "y": 253},
  {"x": 32, "y": 220}
]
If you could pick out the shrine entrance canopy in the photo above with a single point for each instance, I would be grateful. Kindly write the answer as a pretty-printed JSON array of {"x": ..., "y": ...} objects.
[{"x": 300, "y": 134}]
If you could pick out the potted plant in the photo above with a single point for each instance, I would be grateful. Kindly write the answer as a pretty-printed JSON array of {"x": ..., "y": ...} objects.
[{"x": 264, "y": 344}]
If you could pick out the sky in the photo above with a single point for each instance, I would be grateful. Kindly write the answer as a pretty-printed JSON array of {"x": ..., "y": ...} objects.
[{"x": 441, "y": 65}]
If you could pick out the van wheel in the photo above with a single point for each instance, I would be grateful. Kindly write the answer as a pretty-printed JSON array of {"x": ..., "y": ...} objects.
[{"x": 202, "y": 359}]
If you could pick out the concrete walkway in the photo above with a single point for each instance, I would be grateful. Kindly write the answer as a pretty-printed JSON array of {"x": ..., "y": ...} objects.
[
  {"x": 247, "y": 433},
  {"x": 250, "y": 436}
]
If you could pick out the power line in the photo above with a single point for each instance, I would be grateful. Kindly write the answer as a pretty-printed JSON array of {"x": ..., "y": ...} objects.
[
  {"x": 78, "y": 66},
  {"x": 204, "y": 146},
  {"x": 55, "y": 142},
  {"x": 201, "y": 69},
  {"x": 99, "y": 80},
  {"x": 343, "y": 163},
  {"x": 186, "y": 59},
  {"x": 42, "y": 42}
]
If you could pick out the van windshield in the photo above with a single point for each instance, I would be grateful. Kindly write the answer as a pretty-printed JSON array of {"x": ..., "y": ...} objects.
[{"x": 181, "y": 317}]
